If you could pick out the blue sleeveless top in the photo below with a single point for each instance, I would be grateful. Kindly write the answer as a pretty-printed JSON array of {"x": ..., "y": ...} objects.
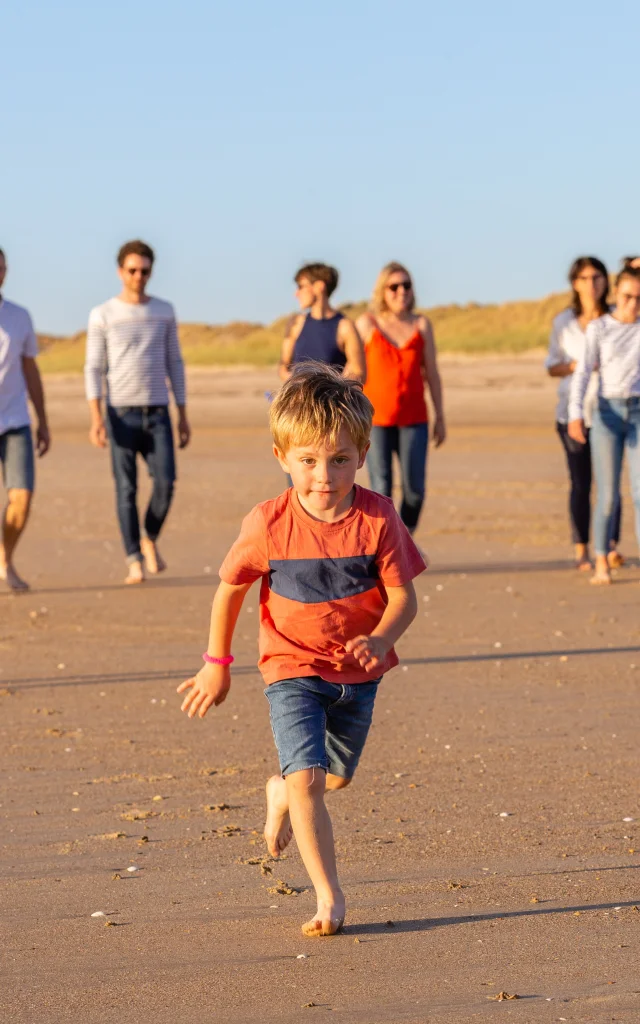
[{"x": 318, "y": 340}]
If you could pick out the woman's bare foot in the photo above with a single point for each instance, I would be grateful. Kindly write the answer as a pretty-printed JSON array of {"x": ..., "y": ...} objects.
[
  {"x": 615, "y": 559},
  {"x": 154, "y": 561},
  {"x": 11, "y": 578},
  {"x": 277, "y": 830},
  {"x": 136, "y": 574},
  {"x": 328, "y": 920},
  {"x": 600, "y": 579},
  {"x": 601, "y": 576},
  {"x": 583, "y": 562}
]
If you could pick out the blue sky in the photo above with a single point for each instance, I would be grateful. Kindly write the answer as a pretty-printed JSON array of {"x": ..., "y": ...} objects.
[{"x": 485, "y": 145}]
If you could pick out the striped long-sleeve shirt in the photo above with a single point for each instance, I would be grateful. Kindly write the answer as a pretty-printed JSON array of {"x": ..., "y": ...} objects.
[
  {"x": 136, "y": 348},
  {"x": 612, "y": 348}
]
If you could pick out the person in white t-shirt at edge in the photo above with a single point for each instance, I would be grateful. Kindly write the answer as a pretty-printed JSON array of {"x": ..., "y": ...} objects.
[
  {"x": 19, "y": 378},
  {"x": 589, "y": 282},
  {"x": 613, "y": 347}
]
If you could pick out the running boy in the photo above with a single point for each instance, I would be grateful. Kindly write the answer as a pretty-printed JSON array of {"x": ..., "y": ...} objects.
[{"x": 336, "y": 565}]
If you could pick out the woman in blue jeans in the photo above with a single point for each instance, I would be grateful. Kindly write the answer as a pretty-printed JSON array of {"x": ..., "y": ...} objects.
[
  {"x": 401, "y": 362},
  {"x": 612, "y": 346},
  {"x": 589, "y": 282}
]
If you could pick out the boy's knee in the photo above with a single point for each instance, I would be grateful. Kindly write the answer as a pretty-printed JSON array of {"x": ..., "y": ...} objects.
[
  {"x": 307, "y": 782},
  {"x": 337, "y": 781}
]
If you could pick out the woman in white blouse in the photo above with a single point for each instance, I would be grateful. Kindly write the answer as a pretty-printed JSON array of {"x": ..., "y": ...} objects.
[
  {"x": 590, "y": 285},
  {"x": 612, "y": 346}
]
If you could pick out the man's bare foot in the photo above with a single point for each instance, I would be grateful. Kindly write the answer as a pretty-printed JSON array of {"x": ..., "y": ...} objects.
[
  {"x": 136, "y": 574},
  {"x": 615, "y": 560},
  {"x": 154, "y": 561},
  {"x": 11, "y": 578},
  {"x": 277, "y": 830},
  {"x": 328, "y": 920}
]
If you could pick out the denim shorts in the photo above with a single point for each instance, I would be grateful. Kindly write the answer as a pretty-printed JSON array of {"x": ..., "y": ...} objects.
[
  {"x": 320, "y": 725},
  {"x": 16, "y": 456}
]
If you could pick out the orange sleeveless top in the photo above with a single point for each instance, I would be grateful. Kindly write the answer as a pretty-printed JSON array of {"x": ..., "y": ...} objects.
[{"x": 395, "y": 385}]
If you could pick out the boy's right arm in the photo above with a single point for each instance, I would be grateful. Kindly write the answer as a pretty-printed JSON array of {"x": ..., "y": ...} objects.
[{"x": 211, "y": 684}]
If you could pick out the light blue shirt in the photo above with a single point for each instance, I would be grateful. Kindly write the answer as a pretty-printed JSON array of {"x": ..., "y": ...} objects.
[{"x": 613, "y": 349}]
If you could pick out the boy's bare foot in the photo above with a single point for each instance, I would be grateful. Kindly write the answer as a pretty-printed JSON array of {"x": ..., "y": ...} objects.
[
  {"x": 154, "y": 561},
  {"x": 328, "y": 920},
  {"x": 11, "y": 578},
  {"x": 136, "y": 574},
  {"x": 277, "y": 830}
]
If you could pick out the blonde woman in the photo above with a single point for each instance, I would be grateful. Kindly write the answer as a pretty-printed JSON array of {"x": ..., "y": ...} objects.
[{"x": 401, "y": 361}]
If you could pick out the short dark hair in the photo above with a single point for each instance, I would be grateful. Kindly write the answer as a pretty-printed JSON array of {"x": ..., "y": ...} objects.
[
  {"x": 576, "y": 268},
  {"x": 2, "y": 255},
  {"x": 135, "y": 248},
  {"x": 628, "y": 261},
  {"x": 628, "y": 271},
  {"x": 319, "y": 272}
]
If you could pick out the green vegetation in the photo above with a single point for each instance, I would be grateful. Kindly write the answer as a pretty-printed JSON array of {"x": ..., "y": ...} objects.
[{"x": 473, "y": 330}]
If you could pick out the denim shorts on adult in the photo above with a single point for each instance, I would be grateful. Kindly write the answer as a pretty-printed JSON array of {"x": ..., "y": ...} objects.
[
  {"x": 320, "y": 725},
  {"x": 16, "y": 456}
]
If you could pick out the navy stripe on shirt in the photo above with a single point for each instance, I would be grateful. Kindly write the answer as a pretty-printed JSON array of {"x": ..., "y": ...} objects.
[{"x": 316, "y": 580}]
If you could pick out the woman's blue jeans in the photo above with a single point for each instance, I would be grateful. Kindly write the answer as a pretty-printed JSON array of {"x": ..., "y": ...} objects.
[
  {"x": 410, "y": 445},
  {"x": 614, "y": 431}
]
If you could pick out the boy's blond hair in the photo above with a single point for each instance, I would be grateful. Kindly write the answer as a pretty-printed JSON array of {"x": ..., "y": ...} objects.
[{"x": 315, "y": 404}]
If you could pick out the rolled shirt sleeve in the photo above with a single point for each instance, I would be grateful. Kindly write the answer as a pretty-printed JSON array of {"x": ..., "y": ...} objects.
[
  {"x": 581, "y": 376},
  {"x": 175, "y": 363},
  {"x": 95, "y": 366}
]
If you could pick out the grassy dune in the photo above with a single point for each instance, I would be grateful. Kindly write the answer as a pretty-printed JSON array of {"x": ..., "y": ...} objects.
[{"x": 472, "y": 329}]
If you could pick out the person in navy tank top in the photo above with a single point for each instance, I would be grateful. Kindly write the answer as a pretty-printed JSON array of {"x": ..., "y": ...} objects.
[{"x": 321, "y": 333}]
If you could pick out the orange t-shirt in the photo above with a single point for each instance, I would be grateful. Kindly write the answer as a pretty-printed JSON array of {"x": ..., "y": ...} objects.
[
  {"x": 322, "y": 583},
  {"x": 394, "y": 384}
]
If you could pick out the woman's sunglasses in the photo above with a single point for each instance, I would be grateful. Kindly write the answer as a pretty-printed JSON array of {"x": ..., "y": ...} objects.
[{"x": 405, "y": 285}]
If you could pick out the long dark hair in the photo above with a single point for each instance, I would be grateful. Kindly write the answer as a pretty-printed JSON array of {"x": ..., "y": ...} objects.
[{"x": 575, "y": 270}]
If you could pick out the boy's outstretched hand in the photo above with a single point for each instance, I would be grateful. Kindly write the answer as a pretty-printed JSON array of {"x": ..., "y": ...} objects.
[
  {"x": 209, "y": 686},
  {"x": 369, "y": 651}
]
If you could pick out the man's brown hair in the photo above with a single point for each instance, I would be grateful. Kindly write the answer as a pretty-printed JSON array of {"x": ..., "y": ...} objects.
[
  {"x": 135, "y": 248},
  {"x": 319, "y": 272},
  {"x": 314, "y": 404}
]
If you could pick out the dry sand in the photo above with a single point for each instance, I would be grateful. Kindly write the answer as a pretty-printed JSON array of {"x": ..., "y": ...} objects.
[{"x": 518, "y": 695}]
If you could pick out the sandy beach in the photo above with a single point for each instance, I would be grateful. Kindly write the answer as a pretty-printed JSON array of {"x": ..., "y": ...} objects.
[{"x": 488, "y": 844}]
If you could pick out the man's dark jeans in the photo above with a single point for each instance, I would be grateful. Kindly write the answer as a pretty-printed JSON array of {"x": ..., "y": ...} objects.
[{"x": 144, "y": 430}]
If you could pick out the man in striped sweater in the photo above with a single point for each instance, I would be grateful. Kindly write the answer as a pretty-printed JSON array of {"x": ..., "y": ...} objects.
[{"x": 133, "y": 349}]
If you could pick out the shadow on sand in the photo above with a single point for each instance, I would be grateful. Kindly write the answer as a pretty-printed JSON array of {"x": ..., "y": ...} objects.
[
  {"x": 425, "y": 924},
  {"x": 106, "y": 678}
]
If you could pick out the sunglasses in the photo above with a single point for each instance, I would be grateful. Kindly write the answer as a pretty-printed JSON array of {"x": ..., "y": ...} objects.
[
  {"x": 405, "y": 285},
  {"x": 143, "y": 271}
]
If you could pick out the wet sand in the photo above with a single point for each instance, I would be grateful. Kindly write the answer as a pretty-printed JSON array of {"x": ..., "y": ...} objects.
[{"x": 483, "y": 843}]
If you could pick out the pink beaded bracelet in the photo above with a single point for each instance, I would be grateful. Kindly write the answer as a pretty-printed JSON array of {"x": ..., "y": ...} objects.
[{"x": 228, "y": 660}]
